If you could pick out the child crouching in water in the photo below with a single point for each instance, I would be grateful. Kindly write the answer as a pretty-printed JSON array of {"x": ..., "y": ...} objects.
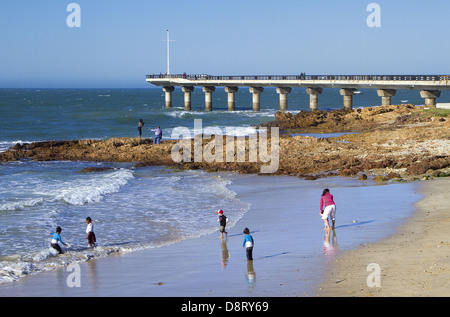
[{"x": 56, "y": 237}]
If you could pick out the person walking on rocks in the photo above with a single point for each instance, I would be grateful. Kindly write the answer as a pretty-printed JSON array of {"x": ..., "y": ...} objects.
[{"x": 327, "y": 209}]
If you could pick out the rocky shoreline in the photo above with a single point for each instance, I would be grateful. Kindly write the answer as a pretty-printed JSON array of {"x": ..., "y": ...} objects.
[{"x": 387, "y": 142}]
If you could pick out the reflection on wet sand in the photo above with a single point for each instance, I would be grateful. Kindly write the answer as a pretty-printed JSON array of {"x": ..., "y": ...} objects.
[
  {"x": 330, "y": 246},
  {"x": 251, "y": 275},
  {"x": 225, "y": 253}
]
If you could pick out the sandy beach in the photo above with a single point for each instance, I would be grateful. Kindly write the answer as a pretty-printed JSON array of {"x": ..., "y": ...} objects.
[
  {"x": 414, "y": 262},
  {"x": 292, "y": 257},
  {"x": 205, "y": 266},
  {"x": 150, "y": 119}
]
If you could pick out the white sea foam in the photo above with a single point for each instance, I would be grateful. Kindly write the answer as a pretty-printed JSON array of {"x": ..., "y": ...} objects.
[
  {"x": 85, "y": 189},
  {"x": 217, "y": 113},
  {"x": 13, "y": 271},
  {"x": 15, "y": 205},
  {"x": 93, "y": 189},
  {"x": 231, "y": 131},
  {"x": 163, "y": 206},
  {"x": 5, "y": 145}
]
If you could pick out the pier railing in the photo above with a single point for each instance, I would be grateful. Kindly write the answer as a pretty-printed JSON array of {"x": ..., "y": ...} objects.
[
  {"x": 430, "y": 86},
  {"x": 306, "y": 77}
]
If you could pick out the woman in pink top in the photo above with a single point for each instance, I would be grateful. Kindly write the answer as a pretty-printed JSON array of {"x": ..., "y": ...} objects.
[{"x": 330, "y": 208}]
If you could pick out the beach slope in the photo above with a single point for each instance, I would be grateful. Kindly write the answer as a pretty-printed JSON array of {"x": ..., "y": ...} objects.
[{"x": 413, "y": 262}]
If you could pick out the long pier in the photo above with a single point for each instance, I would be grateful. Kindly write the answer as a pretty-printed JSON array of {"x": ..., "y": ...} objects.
[{"x": 430, "y": 87}]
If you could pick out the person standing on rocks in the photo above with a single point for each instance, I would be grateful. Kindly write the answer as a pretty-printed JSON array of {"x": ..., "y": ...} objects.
[
  {"x": 158, "y": 135},
  {"x": 330, "y": 208},
  {"x": 140, "y": 125}
]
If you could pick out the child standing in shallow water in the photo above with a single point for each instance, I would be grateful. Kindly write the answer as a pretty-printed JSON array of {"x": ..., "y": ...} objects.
[
  {"x": 90, "y": 232},
  {"x": 248, "y": 244}
]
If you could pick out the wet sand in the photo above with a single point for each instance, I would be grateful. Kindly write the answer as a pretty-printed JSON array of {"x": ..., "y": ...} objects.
[
  {"x": 291, "y": 252},
  {"x": 414, "y": 262},
  {"x": 205, "y": 266}
]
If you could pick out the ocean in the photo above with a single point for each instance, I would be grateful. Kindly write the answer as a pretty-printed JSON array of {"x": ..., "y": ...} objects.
[{"x": 132, "y": 208}]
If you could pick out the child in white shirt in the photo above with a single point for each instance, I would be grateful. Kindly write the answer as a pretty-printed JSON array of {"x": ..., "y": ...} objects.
[{"x": 90, "y": 232}]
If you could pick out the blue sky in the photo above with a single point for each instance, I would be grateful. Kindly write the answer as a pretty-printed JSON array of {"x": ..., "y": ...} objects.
[{"x": 119, "y": 42}]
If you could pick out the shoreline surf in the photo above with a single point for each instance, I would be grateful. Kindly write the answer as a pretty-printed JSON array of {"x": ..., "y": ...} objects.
[
  {"x": 274, "y": 214},
  {"x": 289, "y": 258}
]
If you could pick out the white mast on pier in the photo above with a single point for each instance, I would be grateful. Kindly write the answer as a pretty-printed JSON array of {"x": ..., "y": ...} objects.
[{"x": 168, "y": 51}]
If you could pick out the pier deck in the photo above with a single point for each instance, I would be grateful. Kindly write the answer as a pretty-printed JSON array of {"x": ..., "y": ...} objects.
[{"x": 430, "y": 86}]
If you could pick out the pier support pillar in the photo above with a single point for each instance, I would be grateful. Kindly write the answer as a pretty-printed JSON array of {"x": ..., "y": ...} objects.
[
  {"x": 348, "y": 97},
  {"x": 430, "y": 97},
  {"x": 283, "y": 92},
  {"x": 187, "y": 96},
  {"x": 231, "y": 90},
  {"x": 314, "y": 98},
  {"x": 256, "y": 91},
  {"x": 386, "y": 96},
  {"x": 168, "y": 90},
  {"x": 208, "y": 90}
]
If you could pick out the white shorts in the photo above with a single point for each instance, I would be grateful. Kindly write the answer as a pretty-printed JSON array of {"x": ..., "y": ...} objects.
[{"x": 329, "y": 211}]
